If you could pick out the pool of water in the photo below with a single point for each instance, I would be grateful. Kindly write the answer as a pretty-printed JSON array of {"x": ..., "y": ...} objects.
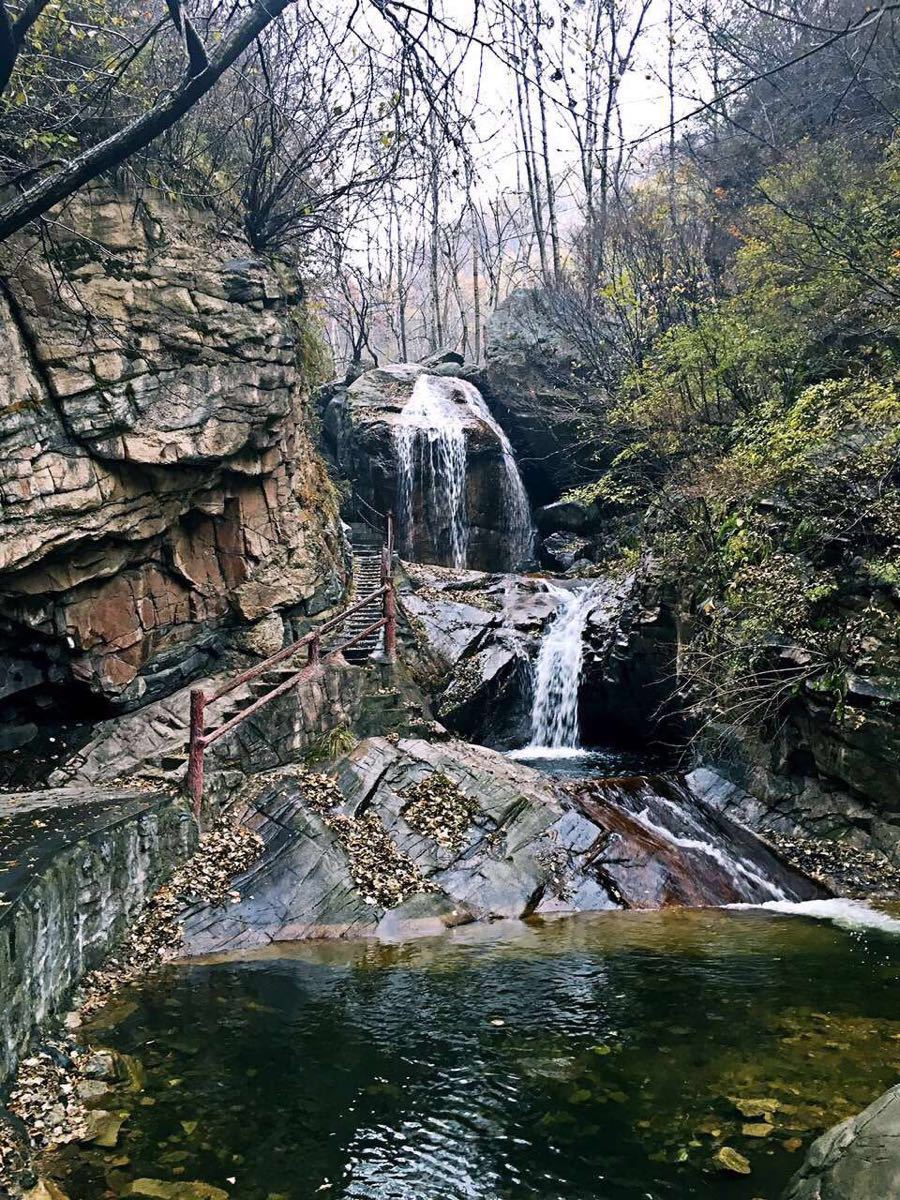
[
  {"x": 597, "y": 1057},
  {"x": 596, "y": 762}
]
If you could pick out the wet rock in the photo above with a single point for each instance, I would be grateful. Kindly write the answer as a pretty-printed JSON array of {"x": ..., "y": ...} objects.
[
  {"x": 763, "y": 1107},
  {"x": 856, "y": 1160},
  {"x": 664, "y": 846},
  {"x": 569, "y": 516},
  {"x": 46, "y": 1189},
  {"x": 91, "y": 859},
  {"x": 478, "y": 636},
  {"x": 728, "y": 1159},
  {"x": 422, "y": 915},
  {"x": 411, "y": 835},
  {"x": 225, "y": 851},
  {"x": 757, "y": 1130},
  {"x": 103, "y": 1129},
  {"x": 101, "y": 1064},
  {"x": 563, "y": 551},
  {"x": 517, "y": 854}
]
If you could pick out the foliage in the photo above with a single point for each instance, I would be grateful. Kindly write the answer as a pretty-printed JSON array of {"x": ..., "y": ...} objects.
[
  {"x": 331, "y": 745},
  {"x": 762, "y": 440}
]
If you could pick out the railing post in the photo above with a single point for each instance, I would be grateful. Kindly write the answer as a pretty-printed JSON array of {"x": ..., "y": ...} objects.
[
  {"x": 313, "y": 652},
  {"x": 390, "y": 623},
  {"x": 195, "y": 750},
  {"x": 390, "y": 596}
]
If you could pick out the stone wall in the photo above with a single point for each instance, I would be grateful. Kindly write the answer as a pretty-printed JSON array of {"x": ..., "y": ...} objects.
[
  {"x": 77, "y": 867},
  {"x": 159, "y": 485}
]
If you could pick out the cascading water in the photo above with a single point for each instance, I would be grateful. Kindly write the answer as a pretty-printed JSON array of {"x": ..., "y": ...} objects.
[
  {"x": 432, "y": 462},
  {"x": 431, "y": 453},
  {"x": 516, "y": 506},
  {"x": 554, "y": 712}
]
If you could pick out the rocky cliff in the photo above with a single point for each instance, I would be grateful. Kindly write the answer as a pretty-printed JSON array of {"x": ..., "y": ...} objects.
[
  {"x": 542, "y": 382},
  {"x": 160, "y": 493},
  {"x": 827, "y": 761}
]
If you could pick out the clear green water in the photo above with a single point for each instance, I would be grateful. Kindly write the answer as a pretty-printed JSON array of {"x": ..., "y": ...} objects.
[{"x": 592, "y": 1057}]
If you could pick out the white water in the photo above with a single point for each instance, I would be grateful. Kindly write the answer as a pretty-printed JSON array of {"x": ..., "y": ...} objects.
[
  {"x": 849, "y": 914},
  {"x": 726, "y": 856},
  {"x": 557, "y": 676},
  {"x": 432, "y": 461},
  {"x": 431, "y": 454},
  {"x": 516, "y": 506}
]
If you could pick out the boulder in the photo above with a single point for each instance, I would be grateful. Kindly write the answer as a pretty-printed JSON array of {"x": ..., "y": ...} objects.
[
  {"x": 479, "y": 636},
  {"x": 545, "y": 398},
  {"x": 361, "y": 423},
  {"x": 856, "y": 1160},
  {"x": 564, "y": 550},
  {"x": 570, "y": 516},
  {"x": 313, "y": 880}
]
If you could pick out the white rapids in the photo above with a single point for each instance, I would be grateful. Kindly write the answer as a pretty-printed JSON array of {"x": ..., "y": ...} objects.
[
  {"x": 848, "y": 914},
  {"x": 557, "y": 677}
]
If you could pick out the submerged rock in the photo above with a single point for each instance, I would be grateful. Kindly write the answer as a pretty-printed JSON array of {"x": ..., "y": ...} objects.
[
  {"x": 727, "y": 1159},
  {"x": 163, "y": 1189}
]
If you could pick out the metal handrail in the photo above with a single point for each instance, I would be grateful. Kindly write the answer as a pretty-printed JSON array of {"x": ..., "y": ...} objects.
[
  {"x": 201, "y": 739},
  {"x": 294, "y": 647}
]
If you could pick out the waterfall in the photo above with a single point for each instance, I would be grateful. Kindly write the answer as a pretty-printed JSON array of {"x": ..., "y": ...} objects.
[
  {"x": 430, "y": 438},
  {"x": 554, "y": 712},
  {"x": 431, "y": 452},
  {"x": 516, "y": 505}
]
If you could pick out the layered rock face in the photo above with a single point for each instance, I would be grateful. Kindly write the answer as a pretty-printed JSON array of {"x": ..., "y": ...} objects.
[
  {"x": 158, "y": 484},
  {"x": 361, "y": 426},
  {"x": 405, "y": 837}
]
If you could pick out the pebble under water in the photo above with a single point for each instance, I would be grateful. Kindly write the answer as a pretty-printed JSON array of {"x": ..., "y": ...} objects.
[{"x": 601, "y": 1057}]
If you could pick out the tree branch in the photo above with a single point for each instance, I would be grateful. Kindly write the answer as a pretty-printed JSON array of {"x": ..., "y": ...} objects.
[{"x": 115, "y": 149}]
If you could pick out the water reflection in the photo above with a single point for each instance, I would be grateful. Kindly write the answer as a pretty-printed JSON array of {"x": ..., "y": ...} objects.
[{"x": 601, "y": 1056}]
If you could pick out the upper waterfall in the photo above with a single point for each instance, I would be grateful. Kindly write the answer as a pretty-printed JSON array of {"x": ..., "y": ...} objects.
[
  {"x": 432, "y": 445},
  {"x": 431, "y": 457}
]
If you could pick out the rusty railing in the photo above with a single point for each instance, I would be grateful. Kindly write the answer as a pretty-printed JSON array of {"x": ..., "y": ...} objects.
[{"x": 201, "y": 738}]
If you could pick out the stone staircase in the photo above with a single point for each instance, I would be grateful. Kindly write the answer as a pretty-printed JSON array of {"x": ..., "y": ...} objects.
[{"x": 367, "y": 547}]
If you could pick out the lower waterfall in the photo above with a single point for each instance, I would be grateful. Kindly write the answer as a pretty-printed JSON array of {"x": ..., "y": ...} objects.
[
  {"x": 554, "y": 712},
  {"x": 430, "y": 438}
]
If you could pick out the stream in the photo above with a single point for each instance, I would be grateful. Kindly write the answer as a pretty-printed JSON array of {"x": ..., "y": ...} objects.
[{"x": 604, "y": 1057}]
